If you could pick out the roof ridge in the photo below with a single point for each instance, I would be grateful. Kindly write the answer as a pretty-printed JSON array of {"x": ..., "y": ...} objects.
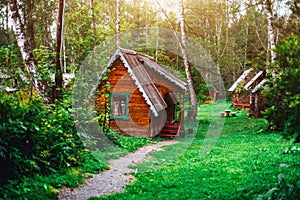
[{"x": 128, "y": 51}]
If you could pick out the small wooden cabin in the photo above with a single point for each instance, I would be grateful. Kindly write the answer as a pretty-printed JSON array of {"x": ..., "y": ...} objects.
[
  {"x": 247, "y": 93},
  {"x": 142, "y": 95},
  {"x": 241, "y": 97},
  {"x": 257, "y": 100}
]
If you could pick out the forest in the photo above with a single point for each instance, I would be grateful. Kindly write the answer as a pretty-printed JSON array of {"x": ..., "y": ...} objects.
[{"x": 52, "y": 54}]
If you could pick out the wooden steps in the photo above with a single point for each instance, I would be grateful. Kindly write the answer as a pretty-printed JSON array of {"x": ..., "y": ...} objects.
[{"x": 170, "y": 130}]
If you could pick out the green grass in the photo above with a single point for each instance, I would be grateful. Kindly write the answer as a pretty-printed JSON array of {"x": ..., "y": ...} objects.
[
  {"x": 245, "y": 163},
  {"x": 121, "y": 146}
]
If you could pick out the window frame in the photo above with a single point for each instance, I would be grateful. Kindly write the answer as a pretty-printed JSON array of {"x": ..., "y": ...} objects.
[{"x": 122, "y": 117}]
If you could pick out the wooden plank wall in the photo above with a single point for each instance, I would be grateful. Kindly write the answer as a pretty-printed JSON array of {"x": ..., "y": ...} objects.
[
  {"x": 139, "y": 110},
  {"x": 242, "y": 101}
]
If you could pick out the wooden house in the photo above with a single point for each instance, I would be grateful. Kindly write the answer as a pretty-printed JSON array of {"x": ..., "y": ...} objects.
[
  {"x": 239, "y": 95},
  {"x": 247, "y": 93},
  {"x": 254, "y": 87},
  {"x": 142, "y": 96},
  {"x": 257, "y": 100}
]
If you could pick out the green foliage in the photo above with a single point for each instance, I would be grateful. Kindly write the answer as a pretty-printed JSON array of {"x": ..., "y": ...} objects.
[
  {"x": 36, "y": 138},
  {"x": 240, "y": 88},
  {"x": 102, "y": 102},
  {"x": 39, "y": 149},
  {"x": 11, "y": 64},
  {"x": 129, "y": 144},
  {"x": 46, "y": 66},
  {"x": 83, "y": 31},
  {"x": 285, "y": 188},
  {"x": 42, "y": 187},
  {"x": 283, "y": 93}
]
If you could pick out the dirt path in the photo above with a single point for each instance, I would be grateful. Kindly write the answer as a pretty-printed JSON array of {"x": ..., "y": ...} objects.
[{"x": 113, "y": 180}]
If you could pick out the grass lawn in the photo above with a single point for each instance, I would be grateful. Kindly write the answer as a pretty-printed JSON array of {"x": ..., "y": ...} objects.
[{"x": 245, "y": 163}]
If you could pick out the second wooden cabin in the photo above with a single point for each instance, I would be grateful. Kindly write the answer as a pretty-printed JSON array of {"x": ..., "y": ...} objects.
[
  {"x": 240, "y": 97},
  {"x": 142, "y": 100},
  {"x": 246, "y": 93}
]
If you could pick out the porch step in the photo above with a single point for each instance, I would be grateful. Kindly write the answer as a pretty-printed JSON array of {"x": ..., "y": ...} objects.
[
  {"x": 169, "y": 130},
  {"x": 171, "y": 126}
]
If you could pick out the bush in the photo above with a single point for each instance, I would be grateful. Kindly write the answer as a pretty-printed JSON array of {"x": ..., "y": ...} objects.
[
  {"x": 129, "y": 144},
  {"x": 36, "y": 138},
  {"x": 283, "y": 93}
]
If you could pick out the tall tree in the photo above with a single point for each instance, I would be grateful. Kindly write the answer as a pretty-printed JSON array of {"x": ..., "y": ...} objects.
[
  {"x": 57, "y": 91},
  {"x": 26, "y": 50},
  {"x": 271, "y": 31},
  {"x": 183, "y": 44},
  {"x": 45, "y": 16},
  {"x": 29, "y": 23},
  {"x": 184, "y": 50},
  {"x": 80, "y": 35},
  {"x": 93, "y": 17}
]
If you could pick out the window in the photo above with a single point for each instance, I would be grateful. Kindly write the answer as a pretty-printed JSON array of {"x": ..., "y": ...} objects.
[{"x": 119, "y": 105}]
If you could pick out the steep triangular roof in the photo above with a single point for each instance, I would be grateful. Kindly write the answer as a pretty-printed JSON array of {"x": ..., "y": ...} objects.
[
  {"x": 240, "y": 79},
  {"x": 259, "y": 86},
  {"x": 253, "y": 80},
  {"x": 136, "y": 65}
]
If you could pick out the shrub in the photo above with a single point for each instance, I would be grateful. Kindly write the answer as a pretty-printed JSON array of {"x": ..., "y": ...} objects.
[
  {"x": 128, "y": 143},
  {"x": 36, "y": 138},
  {"x": 283, "y": 93}
]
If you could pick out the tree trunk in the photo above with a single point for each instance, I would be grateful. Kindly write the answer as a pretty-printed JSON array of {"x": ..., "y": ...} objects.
[
  {"x": 193, "y": 112},
  {"x": 26, "y": 50},
  {"x": 118, "y": 24},
  {"x": 183, "y": 46},
  {"x": 57, "y": 92},
  {"x": 29, "y": 23},
  {"x": 271, "y": 30}
]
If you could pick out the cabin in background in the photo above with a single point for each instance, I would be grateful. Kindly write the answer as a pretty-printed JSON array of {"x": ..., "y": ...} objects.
[
  {"x": 247, "y": 93},
  {"x": 257, "y": 101},
  {"x": 241, "y": 98},
  {"x": 142, "y": 96}
]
